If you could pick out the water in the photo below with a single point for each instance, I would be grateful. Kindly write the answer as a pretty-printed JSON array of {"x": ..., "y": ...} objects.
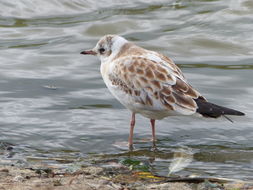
[{"x": 55, "y": 108}]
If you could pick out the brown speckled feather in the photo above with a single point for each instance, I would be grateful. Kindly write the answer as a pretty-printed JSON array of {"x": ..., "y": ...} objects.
[{"x": 153, "y": 80}]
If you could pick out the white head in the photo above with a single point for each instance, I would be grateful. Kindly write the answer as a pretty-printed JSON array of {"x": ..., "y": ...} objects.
[{"x": 107, "y": 47}]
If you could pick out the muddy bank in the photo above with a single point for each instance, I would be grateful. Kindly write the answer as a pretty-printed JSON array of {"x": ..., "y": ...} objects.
[{"x": 90, "y": 178}]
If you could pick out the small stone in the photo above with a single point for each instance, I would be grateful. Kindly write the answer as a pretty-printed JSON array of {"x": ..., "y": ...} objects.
[
  {"x": 104, "y": 182},
  {"x": 18, "y": 178},
  {"x": 9, "y": 148},
  {"x": 57, "y": 183},
  {"x": 93, "y": 170},
  {"x": 4, "y": 170}
]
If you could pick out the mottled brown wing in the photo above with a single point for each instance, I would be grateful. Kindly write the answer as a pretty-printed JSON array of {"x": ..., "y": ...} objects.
[{"x": 157, "y": 85}]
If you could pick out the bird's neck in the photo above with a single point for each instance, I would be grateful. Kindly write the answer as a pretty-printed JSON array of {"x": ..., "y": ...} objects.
[{"x": 117, "y": 47}]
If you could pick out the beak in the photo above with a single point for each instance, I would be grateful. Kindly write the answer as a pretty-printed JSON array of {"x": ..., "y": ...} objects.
[{"x": 88, "y": 52}]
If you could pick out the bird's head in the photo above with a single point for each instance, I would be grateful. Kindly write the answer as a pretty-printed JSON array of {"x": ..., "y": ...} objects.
[{"x": 107, "y": 47}]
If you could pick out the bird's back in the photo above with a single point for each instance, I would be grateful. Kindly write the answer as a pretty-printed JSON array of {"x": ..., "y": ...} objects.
[{"x": 149, "y": 83}]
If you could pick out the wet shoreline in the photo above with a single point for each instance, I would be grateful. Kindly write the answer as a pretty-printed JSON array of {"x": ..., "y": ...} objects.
[{"x": 111, "y": 178}]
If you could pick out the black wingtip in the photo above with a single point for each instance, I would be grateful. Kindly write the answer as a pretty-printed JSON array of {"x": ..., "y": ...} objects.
[
  {"x": 228, "y": 111},
  {"x": 208, "y": 109},
  {"x": 241, "y": 113}
]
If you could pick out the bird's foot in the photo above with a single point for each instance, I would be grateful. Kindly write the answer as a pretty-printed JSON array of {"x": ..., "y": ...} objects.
[
  {"x": 154, "y": 147},
  {"x": 130, "y": 147}
]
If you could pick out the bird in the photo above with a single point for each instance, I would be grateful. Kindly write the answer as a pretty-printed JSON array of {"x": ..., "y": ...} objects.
[{"x": 149, "y": 83}]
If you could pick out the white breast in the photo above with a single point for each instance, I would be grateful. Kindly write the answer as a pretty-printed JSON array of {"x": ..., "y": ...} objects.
[
  {"x": 127, "y": 100},
  {"x": 119, "y": 94}
]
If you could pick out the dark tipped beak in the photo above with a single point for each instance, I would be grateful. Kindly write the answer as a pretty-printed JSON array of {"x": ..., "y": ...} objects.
[{"x": 88, "y": 52}]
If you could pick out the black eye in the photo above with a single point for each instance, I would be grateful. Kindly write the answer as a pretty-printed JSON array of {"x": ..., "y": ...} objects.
[{"x": 101, "y": 50}]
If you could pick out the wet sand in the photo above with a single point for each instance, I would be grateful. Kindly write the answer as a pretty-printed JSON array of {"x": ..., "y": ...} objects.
[{"x": 90, "y": 178}]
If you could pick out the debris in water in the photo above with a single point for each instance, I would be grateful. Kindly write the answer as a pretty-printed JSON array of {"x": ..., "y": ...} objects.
[{"x": 182, "y": 158}]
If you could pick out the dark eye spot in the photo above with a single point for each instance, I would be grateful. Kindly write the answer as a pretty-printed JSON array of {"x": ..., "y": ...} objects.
[{"x": 101, "y": 50}]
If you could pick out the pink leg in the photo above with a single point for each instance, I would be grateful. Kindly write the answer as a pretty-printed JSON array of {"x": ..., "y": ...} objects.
[
  {"x": 131, "y": 134},
  {"x": 152, "y": 121}
]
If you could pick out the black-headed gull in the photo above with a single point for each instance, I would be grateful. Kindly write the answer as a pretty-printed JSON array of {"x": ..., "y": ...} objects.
[{"x": 149, "y": 83}]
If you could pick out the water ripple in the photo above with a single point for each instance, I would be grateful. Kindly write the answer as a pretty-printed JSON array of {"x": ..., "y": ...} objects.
[{"x": 56, "y": 109}]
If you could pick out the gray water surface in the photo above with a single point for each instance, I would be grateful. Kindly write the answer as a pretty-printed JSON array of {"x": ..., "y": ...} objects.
[{"x": 54, "y": 105}]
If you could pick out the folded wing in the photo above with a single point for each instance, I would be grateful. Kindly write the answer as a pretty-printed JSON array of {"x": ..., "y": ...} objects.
[{"x": 155, "y": 82}]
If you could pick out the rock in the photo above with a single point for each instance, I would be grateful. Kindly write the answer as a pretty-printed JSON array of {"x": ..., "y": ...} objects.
[{"x": 18, "y": 178}]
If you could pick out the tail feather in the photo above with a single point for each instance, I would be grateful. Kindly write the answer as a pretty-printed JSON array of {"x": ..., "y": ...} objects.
[{"x": 208, "y": 109}]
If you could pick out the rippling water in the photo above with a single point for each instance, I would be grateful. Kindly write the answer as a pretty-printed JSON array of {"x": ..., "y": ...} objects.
[{"x": 54, "y": 105}]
